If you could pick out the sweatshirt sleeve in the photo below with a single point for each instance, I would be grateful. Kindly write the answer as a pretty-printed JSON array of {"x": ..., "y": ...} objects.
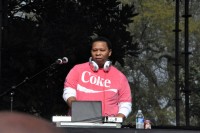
[
  {"x": 125, "y": 98},
  {"x": 70, "y": 84}
]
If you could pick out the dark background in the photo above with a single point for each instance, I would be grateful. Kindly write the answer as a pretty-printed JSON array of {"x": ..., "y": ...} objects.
[{"x": 38, "y": 33}]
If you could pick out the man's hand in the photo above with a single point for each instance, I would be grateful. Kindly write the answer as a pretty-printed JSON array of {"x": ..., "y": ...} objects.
[
  {"x": 70, "y": 100},
  {"x": 121, "y": 115}
]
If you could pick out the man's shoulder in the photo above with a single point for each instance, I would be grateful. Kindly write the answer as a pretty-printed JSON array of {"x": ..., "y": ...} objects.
[
  {"x": 81, "y": 65},
  {"x": 117, "y": 71}
]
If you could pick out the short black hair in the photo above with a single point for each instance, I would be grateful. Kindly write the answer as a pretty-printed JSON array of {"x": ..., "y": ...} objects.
[{"x": 104, "y": 39}]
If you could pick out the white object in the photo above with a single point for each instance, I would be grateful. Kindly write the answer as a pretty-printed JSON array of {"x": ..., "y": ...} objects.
[
  {"x": 139, "y": 120},
  {"x": 110, "y": 119},
  {"x": 61, "y": 118},
  {"x": 88, "y": 125}
]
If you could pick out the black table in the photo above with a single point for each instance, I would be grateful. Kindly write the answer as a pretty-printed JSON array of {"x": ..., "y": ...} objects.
[{"x": 126, "y": 130}]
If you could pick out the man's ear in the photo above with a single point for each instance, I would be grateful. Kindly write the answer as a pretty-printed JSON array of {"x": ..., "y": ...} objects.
[{"x": 110, "y": 52}]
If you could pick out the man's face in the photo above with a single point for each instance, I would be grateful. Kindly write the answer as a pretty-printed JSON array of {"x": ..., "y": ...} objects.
[{"x": 100, "y": 52}]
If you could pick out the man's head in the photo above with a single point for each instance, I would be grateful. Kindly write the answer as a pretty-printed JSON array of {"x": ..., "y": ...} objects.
[
  {"x": 15, "y": 122},
  {"x": 101, "y": 50}
]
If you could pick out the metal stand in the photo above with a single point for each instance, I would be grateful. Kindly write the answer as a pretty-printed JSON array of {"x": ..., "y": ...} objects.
[
  {"x": 13, "y": 88},
  {"x": 11, "y": 101}
]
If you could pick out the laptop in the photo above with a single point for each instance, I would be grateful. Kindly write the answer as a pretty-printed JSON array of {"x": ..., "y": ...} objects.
[{"x": 86, "y": 111}]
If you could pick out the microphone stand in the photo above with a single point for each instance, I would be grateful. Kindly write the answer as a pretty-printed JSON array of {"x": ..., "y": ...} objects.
[{"x": 13, "y": 88}]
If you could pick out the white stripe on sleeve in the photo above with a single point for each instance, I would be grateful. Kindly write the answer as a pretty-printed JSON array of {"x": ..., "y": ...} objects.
[
  {"x": 125, "y": 108},
  {"x": 68, "y": 92}
]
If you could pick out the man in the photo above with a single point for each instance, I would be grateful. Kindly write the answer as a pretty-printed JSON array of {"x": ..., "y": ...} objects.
[{"x": 98, "y": 80}]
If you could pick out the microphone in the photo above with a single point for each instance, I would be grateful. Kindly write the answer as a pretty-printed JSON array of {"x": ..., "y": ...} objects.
[
  {"x": 59, "y": 61},
  {"x": 64, "y": 60}
]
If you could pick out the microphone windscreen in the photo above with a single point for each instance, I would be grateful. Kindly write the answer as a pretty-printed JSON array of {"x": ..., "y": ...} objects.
[
  {"x": 59, "y": 61},
  {"x": 65, "y": 60}
]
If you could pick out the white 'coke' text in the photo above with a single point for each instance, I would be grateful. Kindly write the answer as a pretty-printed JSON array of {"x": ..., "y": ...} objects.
[{"x": 88, "y": 77}]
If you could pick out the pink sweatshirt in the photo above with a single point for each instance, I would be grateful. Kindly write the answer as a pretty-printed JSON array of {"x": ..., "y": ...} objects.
[{"x": 111, "y": 88}]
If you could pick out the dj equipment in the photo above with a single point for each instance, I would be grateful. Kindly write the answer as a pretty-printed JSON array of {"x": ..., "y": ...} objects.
[
  {"x": 88, "y": 125},
  {"x": 86, "y": 111},
  {"x": 87, "y": 114},
  {"x": 108, "y": 122},
  {"x": 94, "y": 66},
  {"x": 61, "y": 118},
  {"x": 112, "y": 119},
  {"x": 106, "y": 119}
]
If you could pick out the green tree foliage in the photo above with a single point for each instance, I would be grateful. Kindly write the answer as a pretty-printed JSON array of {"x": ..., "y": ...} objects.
[{"x": 153, "y": 73}]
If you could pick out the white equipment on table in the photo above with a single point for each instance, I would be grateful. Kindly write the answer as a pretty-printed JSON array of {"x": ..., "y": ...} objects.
[
  {"x": 61, "y": 118},
  {"x": 108, "y": 122}
]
